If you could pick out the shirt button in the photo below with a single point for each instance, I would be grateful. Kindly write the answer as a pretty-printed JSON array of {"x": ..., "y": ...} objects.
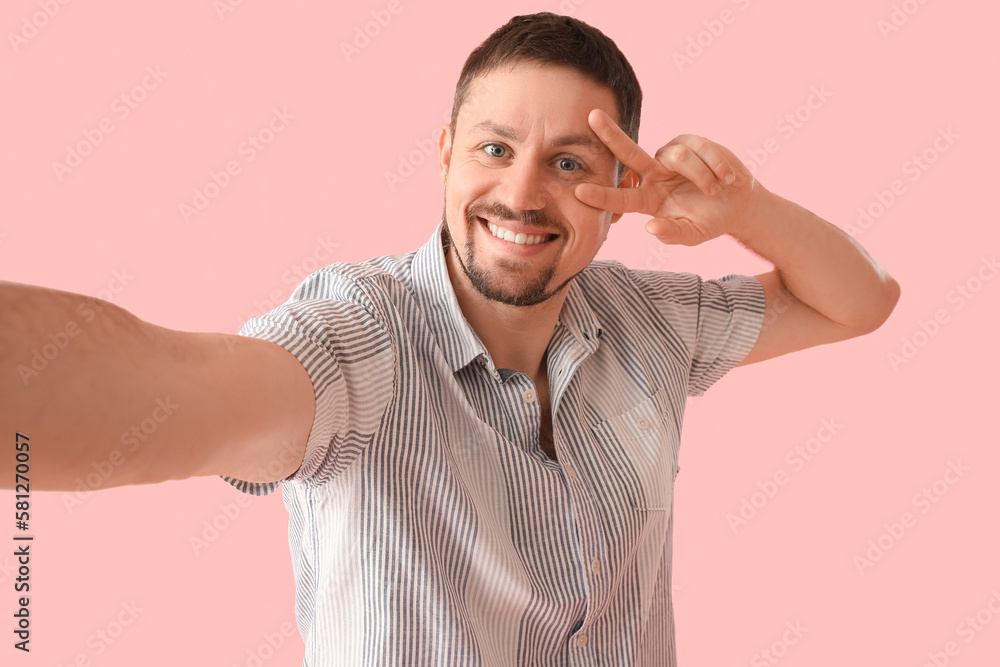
[
  {"x": 581, "y": 640},
  {"x": 570, "y": 471},
  {"x": 643, "y": 423},
  {"x": 595, "y": 565},
  {"x": 529, "y": 396}
]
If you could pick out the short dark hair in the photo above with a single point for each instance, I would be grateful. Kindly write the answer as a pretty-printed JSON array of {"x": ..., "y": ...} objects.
[{"x": 550, "y": 39}]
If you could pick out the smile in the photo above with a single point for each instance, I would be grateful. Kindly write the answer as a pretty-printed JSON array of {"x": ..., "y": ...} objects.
[{"x": 519, "y": 238}]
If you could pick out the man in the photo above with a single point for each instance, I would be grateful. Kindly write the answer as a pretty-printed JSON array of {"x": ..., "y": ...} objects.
[{"x": 477, "y": 441}]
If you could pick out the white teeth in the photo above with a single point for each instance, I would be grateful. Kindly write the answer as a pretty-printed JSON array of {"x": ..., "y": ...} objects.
[{"x": 520, "y": 238}]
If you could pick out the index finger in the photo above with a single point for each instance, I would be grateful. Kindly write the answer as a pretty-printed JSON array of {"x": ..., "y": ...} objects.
[{"x": 621, "y": 145}]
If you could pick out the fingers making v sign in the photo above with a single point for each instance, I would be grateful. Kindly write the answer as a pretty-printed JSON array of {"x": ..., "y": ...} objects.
[{"x": 694, "y": 188}]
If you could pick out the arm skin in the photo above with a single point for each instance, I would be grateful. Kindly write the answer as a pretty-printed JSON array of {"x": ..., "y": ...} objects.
[
  {"x": 824, "y": 287},
  {"x": 152, "y": 403}
]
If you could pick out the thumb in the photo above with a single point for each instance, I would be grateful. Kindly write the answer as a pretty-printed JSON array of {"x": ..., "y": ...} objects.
[{"x": 667, "y": 231}]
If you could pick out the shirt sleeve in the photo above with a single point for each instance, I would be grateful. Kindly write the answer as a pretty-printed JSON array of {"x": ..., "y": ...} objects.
[
  {"x": 718, "y": 320},
  {"x": 730, "y": 315},
  {"x": 349, "y": 358}
]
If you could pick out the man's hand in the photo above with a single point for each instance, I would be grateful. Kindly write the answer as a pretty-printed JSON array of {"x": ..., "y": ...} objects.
[
  {"x": 824, "y": 287},
  {"x": 694, "y": 188}
]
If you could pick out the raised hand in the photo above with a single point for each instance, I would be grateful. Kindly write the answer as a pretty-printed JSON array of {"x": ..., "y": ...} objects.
[{"x": 694, "y": 188}]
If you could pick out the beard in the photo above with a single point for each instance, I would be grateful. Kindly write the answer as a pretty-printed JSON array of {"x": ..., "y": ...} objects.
[{"x": 503, "y": 282}]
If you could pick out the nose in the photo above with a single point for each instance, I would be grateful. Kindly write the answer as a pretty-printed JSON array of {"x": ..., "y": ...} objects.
[{"x": 523, "y": 186}]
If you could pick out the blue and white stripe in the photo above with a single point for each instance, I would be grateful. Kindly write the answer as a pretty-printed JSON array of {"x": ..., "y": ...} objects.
[{"x": 426, "y": 525}]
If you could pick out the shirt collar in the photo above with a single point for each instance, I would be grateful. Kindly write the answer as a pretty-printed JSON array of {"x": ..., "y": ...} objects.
[{"x": 453, "y": 332}]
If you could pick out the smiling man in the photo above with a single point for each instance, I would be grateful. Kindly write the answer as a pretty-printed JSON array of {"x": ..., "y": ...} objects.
[
  {"x": 495, "y": 483},
  {"x": 517, "y": 177},
  {"x": 476, "y": 441}
]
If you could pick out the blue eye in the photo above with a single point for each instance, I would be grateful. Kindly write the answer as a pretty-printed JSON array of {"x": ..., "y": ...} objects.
[
  {"x": 566, "y": 164},
  {"x": 495, "y": 150}
]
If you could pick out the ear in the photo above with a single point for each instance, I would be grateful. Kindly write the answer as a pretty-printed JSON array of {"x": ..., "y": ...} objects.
[
  {"x": 444, "y": 152},
  {"x": 630, "y": 179}
]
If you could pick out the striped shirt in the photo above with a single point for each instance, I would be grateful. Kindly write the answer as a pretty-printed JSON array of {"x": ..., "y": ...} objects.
[{"x": 426, "y": 524}]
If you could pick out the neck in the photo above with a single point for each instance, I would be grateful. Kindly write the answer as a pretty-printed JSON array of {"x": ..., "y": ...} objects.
[{"x": 517, "y": 337}]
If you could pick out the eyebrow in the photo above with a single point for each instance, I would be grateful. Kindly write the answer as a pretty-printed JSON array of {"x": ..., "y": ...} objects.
[{"x": 584, "y": 141}]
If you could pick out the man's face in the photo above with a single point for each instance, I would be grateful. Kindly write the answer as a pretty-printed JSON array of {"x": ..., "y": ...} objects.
[{"x": 521, "y": 145}]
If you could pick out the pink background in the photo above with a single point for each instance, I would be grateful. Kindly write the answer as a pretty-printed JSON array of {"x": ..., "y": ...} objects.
[{"x": 324, "y": 177}]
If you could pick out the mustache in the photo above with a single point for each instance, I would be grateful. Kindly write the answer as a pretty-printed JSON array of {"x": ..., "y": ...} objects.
[{"x": 499, "y": 212}]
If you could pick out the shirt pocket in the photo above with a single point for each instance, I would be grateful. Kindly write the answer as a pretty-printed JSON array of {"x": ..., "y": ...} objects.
[{"x": 643, "y": 445}]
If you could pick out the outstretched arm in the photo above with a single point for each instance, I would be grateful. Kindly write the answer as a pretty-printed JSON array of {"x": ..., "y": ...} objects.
[
  {"x": 107, "y": 399},
  {"x": 824, "y": 287}
]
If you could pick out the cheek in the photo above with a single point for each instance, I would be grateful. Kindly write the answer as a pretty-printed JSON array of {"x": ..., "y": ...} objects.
[
  {"x": 588, "y": 221},
  {"x": 564, "y": 195},
  {"x": 464, "y": 188}
]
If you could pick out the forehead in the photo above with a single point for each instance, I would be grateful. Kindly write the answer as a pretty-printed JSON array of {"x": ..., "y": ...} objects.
[{"x": 557, "y": 97}]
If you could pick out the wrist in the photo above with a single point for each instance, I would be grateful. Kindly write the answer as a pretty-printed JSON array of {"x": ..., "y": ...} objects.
[{"x": 759, "y": 209}]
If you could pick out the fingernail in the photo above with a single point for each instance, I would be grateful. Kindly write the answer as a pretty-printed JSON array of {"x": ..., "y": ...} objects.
[{"x": 730, "y": 178}]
